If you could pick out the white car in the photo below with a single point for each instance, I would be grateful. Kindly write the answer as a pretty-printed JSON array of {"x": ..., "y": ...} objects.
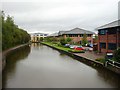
[{"x": 72, "y": 46}]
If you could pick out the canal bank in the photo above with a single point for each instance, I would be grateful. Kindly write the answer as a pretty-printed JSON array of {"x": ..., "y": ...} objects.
[
  {"x": 6, "y": 52},
  {"x": 85, "y": 60}
]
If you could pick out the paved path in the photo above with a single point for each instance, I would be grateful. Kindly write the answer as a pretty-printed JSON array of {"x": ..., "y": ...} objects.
[{"x": 90, "y": 55}]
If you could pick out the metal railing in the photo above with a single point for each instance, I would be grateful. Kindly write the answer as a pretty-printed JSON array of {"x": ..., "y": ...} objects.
[{"x": 112, "y": 63}]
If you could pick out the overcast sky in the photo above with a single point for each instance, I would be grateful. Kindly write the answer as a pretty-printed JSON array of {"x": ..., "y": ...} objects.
[{"x": 51, "y": 16}]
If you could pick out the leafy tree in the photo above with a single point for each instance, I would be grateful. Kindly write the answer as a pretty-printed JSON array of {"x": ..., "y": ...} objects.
[
  {"x": 68, "y": 39},
  {"x": 116, "y": 55},
  {"x": 11, "y": 34},
  {"x": 63, "y": 41},
  {"x": 84, "y": 40}
]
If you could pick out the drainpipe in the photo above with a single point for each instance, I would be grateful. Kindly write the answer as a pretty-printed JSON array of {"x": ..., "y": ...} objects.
[
  {"x": 106, "y": 40},
  {"x": 117, "y": 38}
]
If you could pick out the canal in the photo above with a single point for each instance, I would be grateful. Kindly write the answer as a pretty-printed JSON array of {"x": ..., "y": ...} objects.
[{"x": 39, "y": 66}]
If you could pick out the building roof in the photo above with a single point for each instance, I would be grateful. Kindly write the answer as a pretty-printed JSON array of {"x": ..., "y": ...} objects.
[
  {"x": 76, "y": 31},
  {"x": 61, "y": 32},
  {"x": 37, "y": 33},
  {"x": 109, "y": 25}
]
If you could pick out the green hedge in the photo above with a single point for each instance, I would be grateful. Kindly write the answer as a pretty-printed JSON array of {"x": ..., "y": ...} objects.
[{"x": 77, "y": 51}]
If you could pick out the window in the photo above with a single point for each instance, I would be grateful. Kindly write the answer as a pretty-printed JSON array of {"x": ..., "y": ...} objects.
[
  {"x": 89, "y": 41},
  {"x": 75, "y": 35},
  {"x": 112, "y": 31},
  {"x": 89, "y": 35},
  {"x": 112, "y": 46},
  {"x": 103, "y": 45},
  {"x": 102, "y": 32},
  {"x": 81, "y": 35},
  {"x": 80, "y": 42},
  {"x": 67, "y": 35},
  {"x": 70, "y": 35}
]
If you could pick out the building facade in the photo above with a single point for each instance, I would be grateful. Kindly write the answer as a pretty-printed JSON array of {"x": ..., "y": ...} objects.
[
  {"x": 35, "y": 37},
  {"x": 109, "y": 37},
  {"x": 76, "y": 35}
]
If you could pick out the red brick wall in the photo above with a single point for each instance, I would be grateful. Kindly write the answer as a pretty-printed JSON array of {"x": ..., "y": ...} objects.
[
  {"x": 107, "y": 39},
  {"x": 112, "y": 38},
  {"x": 102, "y": 38},
  {"x": 78, "y": 39}
]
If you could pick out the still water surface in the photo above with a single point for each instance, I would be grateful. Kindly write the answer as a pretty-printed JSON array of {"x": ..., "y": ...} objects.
[{"x": 39, "y": 66}]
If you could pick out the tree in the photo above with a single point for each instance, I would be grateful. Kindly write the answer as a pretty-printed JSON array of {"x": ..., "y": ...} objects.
[
  {"x": 84, "y": 40},
  {"x": 68, "y": 39},
  {"x": 116, "y": 55},
  {"x": 11, "y": 34},
  {"x": 63, "y": 41}
]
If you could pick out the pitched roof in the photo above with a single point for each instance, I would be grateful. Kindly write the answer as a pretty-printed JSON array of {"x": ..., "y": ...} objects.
[
  {"x": 109, "y": 25},
  {"x": 37, "y": 33},
  {"x": 61, "y": 32},
  {"x": 78, "y": 31}
]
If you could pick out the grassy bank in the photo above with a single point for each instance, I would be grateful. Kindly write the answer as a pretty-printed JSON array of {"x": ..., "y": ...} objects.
[
  {"x": 61, "y": 47},
  {"x": 57, "y": 46}
]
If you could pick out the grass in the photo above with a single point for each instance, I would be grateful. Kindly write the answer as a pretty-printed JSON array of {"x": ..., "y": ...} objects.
[
  {"x": 56, "y": 46},
  {"x": 102, "y": 60}
]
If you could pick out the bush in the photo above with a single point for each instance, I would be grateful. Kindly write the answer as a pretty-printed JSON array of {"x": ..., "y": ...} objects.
[
  {"x": 77, "y": 51},
  {"x": 63, "y": 41},
  {"x": 102, "y": 60},
  {"x": 59, "y": 44},
  {"x": 116, "y": 55},
  {"x": 41, "y": 38},
  {"x": 68, "y": 39}
]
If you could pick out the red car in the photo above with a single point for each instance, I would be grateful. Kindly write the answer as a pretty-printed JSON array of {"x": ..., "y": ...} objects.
[{"x": 78, "y": 48}]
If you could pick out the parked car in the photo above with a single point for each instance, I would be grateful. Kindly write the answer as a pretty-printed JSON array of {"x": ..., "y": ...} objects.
[
  {"x": 67, "y": 45},
  {"x": 90, "y": 45},
  {"x": 78, "y": 48},
  {"x": 72, "y": 46}
]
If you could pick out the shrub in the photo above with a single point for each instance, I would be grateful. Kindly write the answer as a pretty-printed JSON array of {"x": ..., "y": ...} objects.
[
  {"x": 102, "y": 60},
  {"x": 63, "y": 41},
  {"x": 116, "y": 55},
  {"x": 77, "y": 51},
  {"x": 41, "y": 38},
  {"x": 68, "y": 39}
]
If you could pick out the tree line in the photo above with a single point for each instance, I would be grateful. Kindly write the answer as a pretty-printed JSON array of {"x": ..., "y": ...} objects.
[{"x": 12, "y": 35}]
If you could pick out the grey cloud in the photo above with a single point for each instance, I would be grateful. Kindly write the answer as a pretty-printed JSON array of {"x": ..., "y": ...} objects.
[{"x": 46, "y": 16}]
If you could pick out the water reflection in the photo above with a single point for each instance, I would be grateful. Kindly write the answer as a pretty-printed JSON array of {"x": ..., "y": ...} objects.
[
  {"x": 39, "y": 66},
  {"x": 110, "y": 77},
  {"x": 11, "y": 61}
]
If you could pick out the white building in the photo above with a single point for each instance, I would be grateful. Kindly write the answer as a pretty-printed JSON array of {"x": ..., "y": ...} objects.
[{"x": 35, "y": 37}]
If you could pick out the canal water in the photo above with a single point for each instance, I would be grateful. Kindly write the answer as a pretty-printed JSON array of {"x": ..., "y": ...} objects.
[{"x": 39, "y": 66}]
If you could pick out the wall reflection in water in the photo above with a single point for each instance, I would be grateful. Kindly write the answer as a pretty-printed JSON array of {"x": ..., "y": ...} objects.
[{"x": 109, "y": 76}]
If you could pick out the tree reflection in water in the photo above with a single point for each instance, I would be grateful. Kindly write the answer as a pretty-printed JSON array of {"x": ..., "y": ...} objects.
[{"x": 11, "y": 61}]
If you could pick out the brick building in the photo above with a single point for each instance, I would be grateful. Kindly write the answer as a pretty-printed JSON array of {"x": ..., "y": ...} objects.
[
  {"x": 76, "y": 35},
  {"x": 109, "y": 37}
]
